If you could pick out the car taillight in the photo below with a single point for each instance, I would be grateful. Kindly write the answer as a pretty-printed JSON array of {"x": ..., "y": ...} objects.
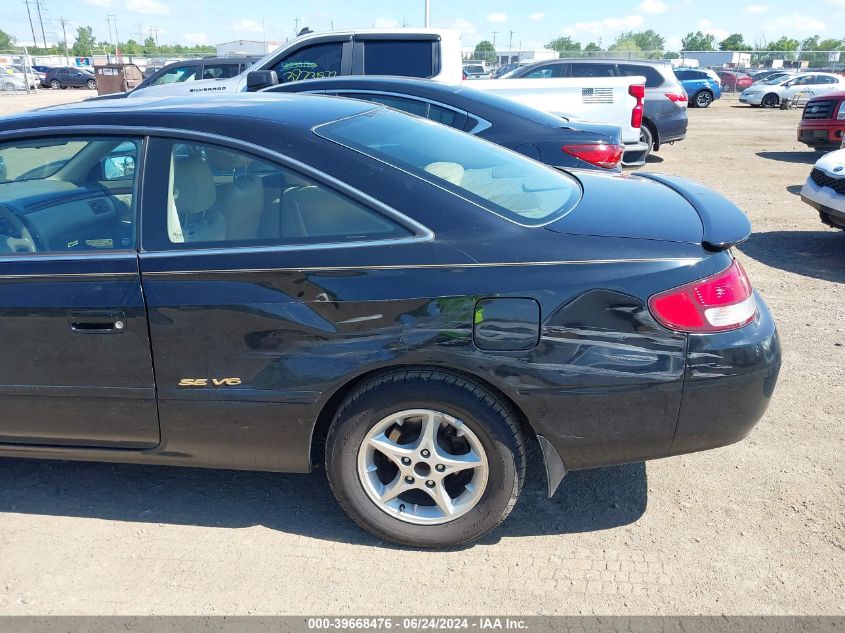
[
  {"x": 677, "y": 97},
  {"x": 599, "y": 154},
  {"x": 721, "y": 302},
  {"x": 637, "y": 91}
]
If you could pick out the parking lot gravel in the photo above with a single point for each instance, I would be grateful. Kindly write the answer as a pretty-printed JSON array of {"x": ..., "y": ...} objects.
[{"x": 754, "y": 528}]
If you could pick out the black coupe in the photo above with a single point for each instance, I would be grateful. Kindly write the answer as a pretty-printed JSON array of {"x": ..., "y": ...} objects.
[
  {"x": 272, "y": 281},
  {"x": 538, "y": 135}
]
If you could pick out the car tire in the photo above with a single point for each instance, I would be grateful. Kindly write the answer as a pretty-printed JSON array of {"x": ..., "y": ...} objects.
[
  {"x": 92, "y": 84},
  {"x": 647, "y": 137},
  {"x": 770, "y": 100},
  {"x": 703, "y": 99},
  {"x": 464, "y": 416},
  {"x": 9, "y": 86},
  {"x": 55, "y": 84}
]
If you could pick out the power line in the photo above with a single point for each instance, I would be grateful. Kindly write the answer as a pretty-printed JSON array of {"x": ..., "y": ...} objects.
[
  {"x": 31, "y": 26},
  {"x": 41, "y": 21},
  {"x": 63, "y": 22}
]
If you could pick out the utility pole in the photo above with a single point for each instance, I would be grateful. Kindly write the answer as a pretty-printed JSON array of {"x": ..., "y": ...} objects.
[
  {"x": 29, "y": 14},
  {"x": 112, "y": 18},
  {"x": 41, "y": 21},
  {"x": 510, "y": 42},
  {"x": 296, "y": 22},
  {"x": 427, "y": 13},
  {"x": 154, "y": 34},
  {"x": 63, "y": 22},
  {"x": 495, "y": 33}
]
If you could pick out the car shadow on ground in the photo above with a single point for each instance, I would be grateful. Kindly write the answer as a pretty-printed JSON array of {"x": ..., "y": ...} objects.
[
  {"x": 297, "y": 504},
  {"x": 808, "y": 158},
  {"x": 818, "y": 254},
  {"x": 795, "y": 189},
  {"x": 653, "y": 159}
]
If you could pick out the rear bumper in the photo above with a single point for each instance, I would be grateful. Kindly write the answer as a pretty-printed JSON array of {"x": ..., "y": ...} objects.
[
  {"x": 827, "y": 134},
  {"x": 729, "y": 382},
  {"x": 635, "y": 154}
]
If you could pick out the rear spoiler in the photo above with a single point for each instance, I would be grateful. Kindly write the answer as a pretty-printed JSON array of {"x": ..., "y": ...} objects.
[{"x": 725, "y": 224}]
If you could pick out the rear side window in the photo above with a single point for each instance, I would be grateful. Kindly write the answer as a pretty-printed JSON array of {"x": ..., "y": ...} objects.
[
  {"x": 446, "y": 116},
  {"x": 413, "y": 106},
  {"x": 220, "y": 71},
  {"x": 311, "y": 62},
  {"x": 503, "y": 182},
  {"x": 594, "y": 70},
  {"x": 653, "y": 78},
  {"x": 215, "y": 197},
  {"x": 402, "y": 58}
]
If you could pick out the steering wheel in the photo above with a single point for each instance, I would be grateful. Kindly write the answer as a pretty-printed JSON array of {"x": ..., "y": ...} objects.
[{"x": 20, "y": 240}]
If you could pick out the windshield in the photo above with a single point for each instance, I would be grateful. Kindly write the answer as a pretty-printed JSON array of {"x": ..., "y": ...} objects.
[
  {"x": 504, "y": 182},
  {"x": 34, "y": 161},
  {"x": 774, "y": 80}
]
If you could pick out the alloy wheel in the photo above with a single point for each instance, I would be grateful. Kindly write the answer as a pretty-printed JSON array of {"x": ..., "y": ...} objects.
[
  {"x": 55, "y": 85},
  {"x": 703, "y": 99},
  {"x": 8, "y": 86},
  {"x": 423, "y": 467},
  {"x": 770, "y": 100}
]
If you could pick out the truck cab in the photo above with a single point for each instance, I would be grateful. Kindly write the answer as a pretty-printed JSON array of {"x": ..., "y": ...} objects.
[{"x": 424, "y": 53}]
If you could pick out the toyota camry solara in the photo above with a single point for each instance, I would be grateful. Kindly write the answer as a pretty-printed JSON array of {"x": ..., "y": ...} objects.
[{"x": 271, "y": 282}]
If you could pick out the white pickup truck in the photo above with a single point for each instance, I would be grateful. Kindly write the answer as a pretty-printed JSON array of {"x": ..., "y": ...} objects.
[{"x": 433, "y": 54}]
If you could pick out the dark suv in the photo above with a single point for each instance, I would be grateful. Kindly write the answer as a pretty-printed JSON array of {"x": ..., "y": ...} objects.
[
  {"x": 665, "y": 115},
  {"x": 64, "y": 77}
]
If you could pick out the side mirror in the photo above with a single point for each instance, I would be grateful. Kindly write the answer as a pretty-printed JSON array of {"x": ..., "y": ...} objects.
[
  {"x": 118, "y": 167},
  {"x": 259, "y": 79}
]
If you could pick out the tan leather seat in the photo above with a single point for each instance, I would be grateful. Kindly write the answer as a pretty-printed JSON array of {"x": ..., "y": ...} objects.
[
  {"x": 315, "y": 212},
  {"x": 194, "y": 194},
  {"x": 241, "y": 204}
]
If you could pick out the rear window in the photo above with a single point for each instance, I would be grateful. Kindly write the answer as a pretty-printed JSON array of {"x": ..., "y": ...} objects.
[
  {"x": 400, "y": 58},
  {"x": 506, "y": 183},
  {"x": 653, "y": 77}
]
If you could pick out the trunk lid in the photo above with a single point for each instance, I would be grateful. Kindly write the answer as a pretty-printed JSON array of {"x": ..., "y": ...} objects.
[{"x": 654, "y": 207}]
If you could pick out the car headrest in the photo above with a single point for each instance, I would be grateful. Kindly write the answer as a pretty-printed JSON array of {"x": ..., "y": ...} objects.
[
  {"x": 193, "y": 185},
  {"x": 226, "y": 161},
  {"x": 450, "y": 172}
]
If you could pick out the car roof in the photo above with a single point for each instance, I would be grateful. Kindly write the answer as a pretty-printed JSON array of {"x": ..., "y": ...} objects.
[
  {"x": 462, "y": 96},
  {"x": 205, "y": 112},
  {"x": 613, "y": 60}
]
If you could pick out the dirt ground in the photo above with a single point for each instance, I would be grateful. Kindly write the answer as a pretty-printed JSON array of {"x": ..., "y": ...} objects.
[{"x": 754, "y": 528}]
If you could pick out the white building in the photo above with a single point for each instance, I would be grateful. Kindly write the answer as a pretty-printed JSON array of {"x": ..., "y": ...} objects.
[
  {"x": 247, "y": 47},
  {"x": 517, "y": 55}
]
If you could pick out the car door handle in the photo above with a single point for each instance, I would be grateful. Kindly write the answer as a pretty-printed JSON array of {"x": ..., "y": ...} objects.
[{"x": 97, "y": 322}]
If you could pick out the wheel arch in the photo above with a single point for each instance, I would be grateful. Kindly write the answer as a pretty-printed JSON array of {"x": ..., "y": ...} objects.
[
  {"x": 320, "y": 429},
  {"x": 655, "y": 135}
]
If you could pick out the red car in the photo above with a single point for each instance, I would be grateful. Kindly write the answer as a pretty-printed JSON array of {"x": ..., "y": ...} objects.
[
  {"x": 733, "y": 81},
  {"x": 823, "y": 123}
]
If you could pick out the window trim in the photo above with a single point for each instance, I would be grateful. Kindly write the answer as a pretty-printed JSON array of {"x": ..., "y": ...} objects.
[
  {"x": 421, "y": 232},
  {"x": 78, "y": 130}
]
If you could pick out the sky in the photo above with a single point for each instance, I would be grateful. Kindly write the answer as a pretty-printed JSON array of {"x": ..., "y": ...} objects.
[{"x": 533, "y": 23}]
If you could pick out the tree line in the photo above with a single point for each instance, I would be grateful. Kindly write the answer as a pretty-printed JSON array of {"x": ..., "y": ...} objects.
[
  {"x": 86, "y": 45},
  {"x": 651, "y": 45}
]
